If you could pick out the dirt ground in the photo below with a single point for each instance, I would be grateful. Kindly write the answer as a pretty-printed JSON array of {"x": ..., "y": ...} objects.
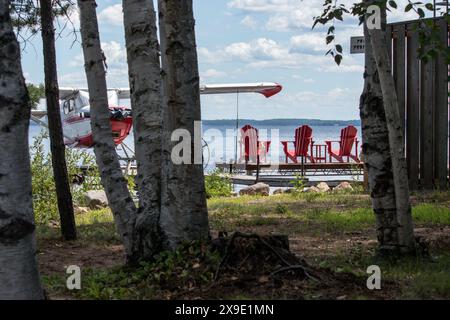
[
  {"x": 313, "y": 245},
  {"x": 54, "y": 256}
]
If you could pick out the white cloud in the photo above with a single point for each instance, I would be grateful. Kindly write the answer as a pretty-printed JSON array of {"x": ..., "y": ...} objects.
[
  {"x": 111, "y": 15},
  {"x": 212, "y": 73},
  {"x": 249, "y": 22},
  {"x": 117, "y": 72},
  {"x": 115, "y": 54},
  {"x": 292, "y": 20},
  {"x": 301, "y": 52},
  {"x": 294, "y": 15},
  {"x": 308, "y": 43}
]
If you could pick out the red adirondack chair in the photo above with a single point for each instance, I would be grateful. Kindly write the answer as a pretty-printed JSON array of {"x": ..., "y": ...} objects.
[
  {"x": 251, "y": 147},
  {"x": 346, "y": 143},
  {"x": 302, "y": 144}
]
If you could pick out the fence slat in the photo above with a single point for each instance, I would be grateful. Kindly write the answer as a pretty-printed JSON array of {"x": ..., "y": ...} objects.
[
  {"x": 413, "y": 109},
  {"x": 426, "y": 125},
  {"x": 399, "y": 69},
  {"x": 441, "y": 113}
]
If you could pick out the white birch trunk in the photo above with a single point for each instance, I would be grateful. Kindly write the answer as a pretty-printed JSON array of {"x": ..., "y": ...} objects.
[
  {"x": 377, "y": 156},
  {"x": 19, "y": 276},
  {"x": 115, "y": 185},
  {"x": 404, "y": 217},
  {"x": 146, "y": 101},
  {"x": 184, "y": 215}
]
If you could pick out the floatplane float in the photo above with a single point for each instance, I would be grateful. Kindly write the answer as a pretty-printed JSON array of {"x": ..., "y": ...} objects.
[{"x": 75, "y": 110}]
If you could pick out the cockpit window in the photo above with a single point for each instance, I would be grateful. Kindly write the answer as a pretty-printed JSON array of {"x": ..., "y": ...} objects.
[{"x": 69, "y": 106}]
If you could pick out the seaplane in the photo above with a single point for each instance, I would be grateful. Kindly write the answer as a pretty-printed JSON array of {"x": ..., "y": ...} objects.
[{"x": 75, "y": 110}]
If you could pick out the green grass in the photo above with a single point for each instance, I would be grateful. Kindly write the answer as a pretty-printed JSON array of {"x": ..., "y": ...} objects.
[
  {"x": 190, "y": 266},
  {"x": 414, "y": 278},
  {"x": 329, "y": 213},
  {"x": 316, "y": 215},
  {"x": 431, "y": 214},
  {"x": 96, "y": 226}
]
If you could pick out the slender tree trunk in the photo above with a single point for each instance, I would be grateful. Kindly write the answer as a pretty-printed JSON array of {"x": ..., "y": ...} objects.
[
  {"x": 19, "y": 277},
  {"x": 184, "y": 215},
  {"x": 115, "y": 185},
  {"x": 377, "y": 156},
  {"x": 64, "y": 196},
  {"x": 146, "y": 101},
  {"x": 394, "y": 222}
]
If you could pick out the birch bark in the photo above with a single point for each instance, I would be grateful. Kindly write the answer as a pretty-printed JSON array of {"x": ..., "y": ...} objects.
[
  {"x": 116, "y": 188},
  {"x": 19, "y": 276},
  {"x": 383, "y": 147},
  {"x": 144, "y": 70},
  {"x": 184, "y": 215}
]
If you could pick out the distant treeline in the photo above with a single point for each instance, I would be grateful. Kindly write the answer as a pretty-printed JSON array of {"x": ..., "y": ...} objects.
[{"x": 282, "y": 122}]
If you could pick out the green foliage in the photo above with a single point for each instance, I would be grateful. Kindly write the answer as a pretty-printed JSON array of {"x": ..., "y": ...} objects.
[
  {"x": 193, "y": 265},
  {"x": 43, "y": 184},
  {"x": 281, "y": 209},
  {"x": 415, "y": 277},
  {"x": 36, "y": 93},
  {"x": 25, "y": 14},
  {"x": 218, "y": 185},
  {"x": 429, "y": 32},
  {"x": 299, "y": 183}
]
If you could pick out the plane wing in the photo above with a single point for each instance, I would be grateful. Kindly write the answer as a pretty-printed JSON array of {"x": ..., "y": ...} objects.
[
  {"x": 268, "y": 89},
  {"x": 66, "y": 91},
  {"x": 39, "y": 113}
]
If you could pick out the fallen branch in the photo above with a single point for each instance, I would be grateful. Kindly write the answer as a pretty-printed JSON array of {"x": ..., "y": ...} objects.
[{"x": 287, "y": 267}]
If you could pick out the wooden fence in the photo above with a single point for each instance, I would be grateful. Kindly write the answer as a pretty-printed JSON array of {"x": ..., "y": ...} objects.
[{"x": 422, "y": 89}]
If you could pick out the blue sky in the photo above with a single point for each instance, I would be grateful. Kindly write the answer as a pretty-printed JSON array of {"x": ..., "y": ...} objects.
[{"x": 238, "y": 41}]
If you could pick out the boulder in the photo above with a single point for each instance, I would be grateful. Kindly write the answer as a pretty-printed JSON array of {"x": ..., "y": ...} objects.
[
  {"x": 96, "y": 199},
  {"x": 323, "y": 187},
  {"x": 80, "y": 210},
  {"x": 260, "y": 188},
  {"x": 311, "y": 190},
  {"x": 278, "y": 191},
  {"x": 343, "y": 186}
]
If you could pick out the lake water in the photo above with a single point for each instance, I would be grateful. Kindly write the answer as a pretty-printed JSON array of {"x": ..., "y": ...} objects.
[{"x": 221, "y": 140}]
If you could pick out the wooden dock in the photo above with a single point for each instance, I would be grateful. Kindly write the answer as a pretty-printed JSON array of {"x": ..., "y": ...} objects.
[
  {"x": 284, "y": 174},
  {"x": 312, "y": 169}
]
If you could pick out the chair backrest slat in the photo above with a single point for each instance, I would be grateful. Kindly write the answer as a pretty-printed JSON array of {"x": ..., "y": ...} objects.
[
  {"x": 348, "y": 138},
  {"x": 303, "y": 137},
  {"x": 249, "y": 138}
]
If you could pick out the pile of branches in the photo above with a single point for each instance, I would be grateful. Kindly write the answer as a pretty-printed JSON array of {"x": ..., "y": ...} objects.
[{"x": 254, "y": 256}]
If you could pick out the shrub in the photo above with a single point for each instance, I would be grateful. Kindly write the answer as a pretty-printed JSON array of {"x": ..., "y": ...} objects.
[
  {"x": 299, "y": 183},
  {"x": 218, "y": 185},
  {"x": 43, "y": 184}
]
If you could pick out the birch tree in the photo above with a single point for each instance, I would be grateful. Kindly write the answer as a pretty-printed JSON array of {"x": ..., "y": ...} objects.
[
  {"x": 383, "y": 146},
  {"x": 119, "y": 197},
  {"x": 184, "y": 215},
  {"x": 30, "y": 17},
  {"x": 145, "y": 84},
  {"x": 172, "y": 199},
  {"x": 19, "y": 277},
  {"x": 377, "y": 156},
  {"x": 404, "y": 227}
]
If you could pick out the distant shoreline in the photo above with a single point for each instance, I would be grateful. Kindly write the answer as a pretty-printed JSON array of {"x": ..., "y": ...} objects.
[
  {"x": 282, "y": 122},
  {"x": 277, "y": 122}
]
